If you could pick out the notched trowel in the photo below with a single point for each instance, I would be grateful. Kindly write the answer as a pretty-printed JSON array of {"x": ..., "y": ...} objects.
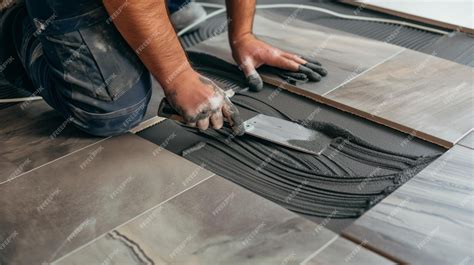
[{"x": 272, "y": 129}]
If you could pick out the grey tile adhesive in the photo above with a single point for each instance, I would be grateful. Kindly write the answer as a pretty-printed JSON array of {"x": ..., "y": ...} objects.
[{"x": 363, "y": 163}]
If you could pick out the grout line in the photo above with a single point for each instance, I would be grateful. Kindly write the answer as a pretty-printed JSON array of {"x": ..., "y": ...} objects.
[
  {"x": 54, "y": 160},
  {"x": 462, "y": 136},
  {"x": 462, "y": 145},
  {"x": 132, "y": 219},
  {"x": 310, "y": 257},
  {"x": 367, "y": 70},
  {"x": 141, "y": 126}
]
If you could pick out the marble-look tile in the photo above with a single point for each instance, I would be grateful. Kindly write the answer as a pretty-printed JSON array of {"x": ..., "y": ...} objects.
[
  {"x": 429, "y": 220},
  {"x": 216, "y": 222},
  {"x": 419, "y": 94},
  {"x": 468, "y": 140},
  {"x": 58, "y": 207},
  {"x": 344, "y": 55},
  {"x": 32, "y": 134},
  {"x": 343, "y": 251}
]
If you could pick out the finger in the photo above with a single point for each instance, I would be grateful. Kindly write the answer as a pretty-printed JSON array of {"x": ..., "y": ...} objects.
[
  {"x": 285, "y": 63},
  {"x": 312, "y": 75},
  {"x": 311, "y": 60},
  {"x": 253, "y": 78},
  {"x": 295, "y": 75},
  {"x": 317, "y": 68},
  {"x": 217, "y": 119},
  {"x": 203, "y": 124},
  {"x": 295, "y": 58},
  {"x": 203, "y": 114},
  {"x": 231, "y": 113}
]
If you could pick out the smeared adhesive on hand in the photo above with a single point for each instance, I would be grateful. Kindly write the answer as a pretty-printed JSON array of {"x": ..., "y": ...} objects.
[{"x": 255, "y": 81}]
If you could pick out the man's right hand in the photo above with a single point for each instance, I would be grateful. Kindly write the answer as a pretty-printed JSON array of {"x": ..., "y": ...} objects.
[{"x": 201, "y": 102}]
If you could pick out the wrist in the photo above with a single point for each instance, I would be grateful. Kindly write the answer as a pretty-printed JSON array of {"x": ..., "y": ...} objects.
[
  {"x": 169, "y": 82},
  {"x": 235, "y": 41}
]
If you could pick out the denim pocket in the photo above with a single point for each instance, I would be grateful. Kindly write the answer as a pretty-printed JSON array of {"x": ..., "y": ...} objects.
[
  {"x": 111, "y": 123},
  {"x": 93, "y": 59}
]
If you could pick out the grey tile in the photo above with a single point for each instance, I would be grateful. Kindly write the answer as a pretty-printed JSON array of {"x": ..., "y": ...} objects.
[
  {"x": 56, "y": 208},
  {"x": 33, "y": 134},
  {"x": 36, "y": 134},
  {"x": 9, "y": 169},
  {"x": 216, "y": 222},
  {"x": 343, "y": 251},
  {"x": 419, "y": 94},
  {"x": 429, "y": 220},
  {"x": 343, "y": 55}
]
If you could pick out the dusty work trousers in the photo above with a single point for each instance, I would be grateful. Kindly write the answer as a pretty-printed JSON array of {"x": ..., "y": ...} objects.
[{"x": 73, "y": 56}]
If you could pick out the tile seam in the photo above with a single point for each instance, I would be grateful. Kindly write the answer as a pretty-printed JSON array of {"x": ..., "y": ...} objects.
[
  {"x": 464, "y": 146},
  {"x": 314, "y": 254},
  {"x": 54, "y": 160},
  {"x": 366, "y": 71},
  {"x": 463, "y": 136},
  {"x": 141, "y": 126}
]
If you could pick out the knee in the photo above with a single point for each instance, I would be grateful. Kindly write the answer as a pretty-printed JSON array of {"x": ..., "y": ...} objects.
[{"x": 110, "y": 124}]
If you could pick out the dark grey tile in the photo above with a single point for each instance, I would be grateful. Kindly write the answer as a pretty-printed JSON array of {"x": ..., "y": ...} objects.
[
  {"x": 9, "y": 169},
  {"x": 344, "y": 55},
  {"x": 429, "y": 220},
  {"x": 216, "y": 222},
  {"x": 33, "y": 134},
  {"x": 56, "y": 208}
]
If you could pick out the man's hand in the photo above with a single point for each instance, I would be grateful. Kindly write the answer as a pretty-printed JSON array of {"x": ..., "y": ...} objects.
[
  {"x": 251, "y": 53},
  {"x": 201, "y": 102}
]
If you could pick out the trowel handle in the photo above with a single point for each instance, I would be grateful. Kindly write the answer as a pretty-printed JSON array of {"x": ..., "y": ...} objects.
[{"x": 165, "y": 110}]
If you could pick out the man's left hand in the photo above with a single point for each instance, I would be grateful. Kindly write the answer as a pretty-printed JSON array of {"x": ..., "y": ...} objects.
[{"x": 251, "y": 53}]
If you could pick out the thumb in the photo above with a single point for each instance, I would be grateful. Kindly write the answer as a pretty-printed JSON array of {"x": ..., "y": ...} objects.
[{"x": 253, "y": 78}]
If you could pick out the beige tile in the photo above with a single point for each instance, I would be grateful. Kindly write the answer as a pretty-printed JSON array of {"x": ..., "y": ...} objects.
[{"x": 58, "y": 207}]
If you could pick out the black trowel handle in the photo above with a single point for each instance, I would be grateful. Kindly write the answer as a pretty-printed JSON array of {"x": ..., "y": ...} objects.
[{"x": 165, "y": 110}]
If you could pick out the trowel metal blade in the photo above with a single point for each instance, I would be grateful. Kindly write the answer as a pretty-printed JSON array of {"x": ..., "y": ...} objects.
[{"x": 282, "y": 132}]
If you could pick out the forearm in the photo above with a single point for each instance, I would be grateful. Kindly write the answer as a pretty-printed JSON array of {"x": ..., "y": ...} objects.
[
  {"x": 240, "y": 14},
  {"x": 146, "y": 27}
]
